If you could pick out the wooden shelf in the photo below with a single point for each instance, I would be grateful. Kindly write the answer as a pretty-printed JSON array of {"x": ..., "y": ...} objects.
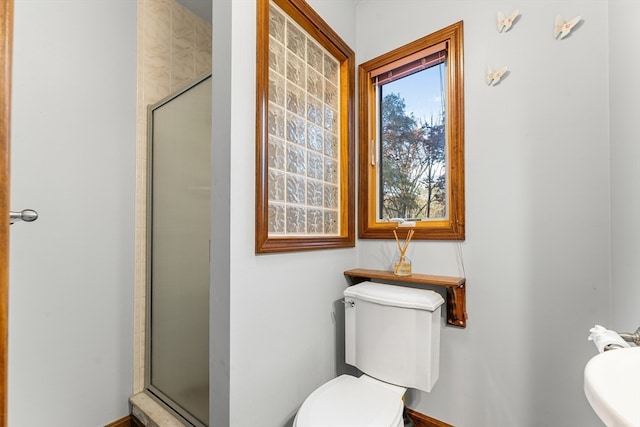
[{"x": 455, "y": 286}]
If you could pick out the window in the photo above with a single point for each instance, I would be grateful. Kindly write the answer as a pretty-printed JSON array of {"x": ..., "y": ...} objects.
[
  {"x": 305, "y": 144},
  {"x": 412, "y": 139}
]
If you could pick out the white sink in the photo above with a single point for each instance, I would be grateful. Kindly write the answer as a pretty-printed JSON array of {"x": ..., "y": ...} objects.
[{"x": 612, "y": 386}]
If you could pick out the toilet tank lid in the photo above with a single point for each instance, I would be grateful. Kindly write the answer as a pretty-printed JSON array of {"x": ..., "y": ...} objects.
[{"x": 396, "y": 296}]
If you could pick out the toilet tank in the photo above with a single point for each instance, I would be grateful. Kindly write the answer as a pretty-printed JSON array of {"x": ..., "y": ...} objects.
[{"x": 392, "y": 333}]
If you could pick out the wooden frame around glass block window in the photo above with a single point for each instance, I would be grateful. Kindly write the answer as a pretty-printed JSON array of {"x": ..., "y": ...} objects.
[{"x": 305, "y": 149}]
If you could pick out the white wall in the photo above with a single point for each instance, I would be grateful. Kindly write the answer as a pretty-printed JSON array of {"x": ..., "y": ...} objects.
[
  {"x": 624, "y": 24},
  {"x": 73, "y": 155},
  {"x": 282, "y": 306},
  {"x": 537, "y": 252},
  {"x": 537, "y": 255}
]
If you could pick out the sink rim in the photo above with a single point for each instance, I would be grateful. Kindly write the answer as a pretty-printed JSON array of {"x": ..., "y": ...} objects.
[{"x": 613, "y": 406}]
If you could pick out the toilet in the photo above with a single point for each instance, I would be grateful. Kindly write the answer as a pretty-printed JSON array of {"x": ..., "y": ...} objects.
[{"x": 392, "y": 335}]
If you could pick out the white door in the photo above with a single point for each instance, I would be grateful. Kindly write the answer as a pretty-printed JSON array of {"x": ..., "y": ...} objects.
[{"x": 73, "y": 160}]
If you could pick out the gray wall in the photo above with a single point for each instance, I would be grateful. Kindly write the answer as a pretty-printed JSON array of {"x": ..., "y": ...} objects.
[
  {"x": 552, "y": 224},
  {"x": 281, "y": 307},
  {"x": 624, "y": 66},
  {"x": 73, "y": 155},
  {"x": 538, "y": 254},
  {"x": 538, "y": 250}
]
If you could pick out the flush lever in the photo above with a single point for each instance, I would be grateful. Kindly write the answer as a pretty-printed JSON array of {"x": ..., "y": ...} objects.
[
  {"x": 26, "y": 215},
  {"x": 350, "y": 303}
]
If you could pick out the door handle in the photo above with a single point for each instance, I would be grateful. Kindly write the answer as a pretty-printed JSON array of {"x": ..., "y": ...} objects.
[{"x": 26, "y": 215}]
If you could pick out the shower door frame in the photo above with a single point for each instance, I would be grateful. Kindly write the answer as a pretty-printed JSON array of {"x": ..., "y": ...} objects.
[{"x": 152, "y": 391}]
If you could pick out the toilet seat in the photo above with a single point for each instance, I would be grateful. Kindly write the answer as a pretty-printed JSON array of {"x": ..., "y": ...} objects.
[{"x": 347, "y": 401}]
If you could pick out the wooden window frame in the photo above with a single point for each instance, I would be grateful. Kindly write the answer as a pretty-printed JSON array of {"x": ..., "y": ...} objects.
[
  {"x": 452, "y": 227},
  {"x": 302, "y": 14}
]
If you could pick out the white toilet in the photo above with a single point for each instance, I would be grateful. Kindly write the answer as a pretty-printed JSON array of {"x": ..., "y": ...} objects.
[{"x": 392, "y": 335}]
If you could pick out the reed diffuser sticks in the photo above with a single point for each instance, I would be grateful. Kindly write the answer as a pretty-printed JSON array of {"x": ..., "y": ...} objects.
[
  {"x": 407, "y": 240},
  {"x": 402, "y": 267}
]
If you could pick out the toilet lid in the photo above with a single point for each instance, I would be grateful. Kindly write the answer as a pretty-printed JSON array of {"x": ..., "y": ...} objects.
[{"x": 348, "y": 401}]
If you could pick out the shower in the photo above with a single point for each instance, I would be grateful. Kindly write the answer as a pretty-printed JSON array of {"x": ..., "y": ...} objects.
[{"x": 178, "y": 228}]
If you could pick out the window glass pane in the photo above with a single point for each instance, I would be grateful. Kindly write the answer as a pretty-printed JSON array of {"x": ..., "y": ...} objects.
[
  {"x": 303, "y": 111},
  {"x": 412, "y": 143}
]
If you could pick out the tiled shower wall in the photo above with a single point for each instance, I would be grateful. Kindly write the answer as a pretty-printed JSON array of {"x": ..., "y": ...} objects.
[{"x": 174, "y": 48}]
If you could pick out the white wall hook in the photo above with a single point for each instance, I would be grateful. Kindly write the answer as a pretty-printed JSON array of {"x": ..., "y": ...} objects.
[
  {"x": 562, "y": 28},
  {"x": 493, "y": 76},
  {"x": 505, "y": 23}
]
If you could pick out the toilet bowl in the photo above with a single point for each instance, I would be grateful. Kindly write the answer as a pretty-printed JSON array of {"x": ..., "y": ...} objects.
[
  {"x": 348, "y": 401},
  {"x": 392, "y": 335}
]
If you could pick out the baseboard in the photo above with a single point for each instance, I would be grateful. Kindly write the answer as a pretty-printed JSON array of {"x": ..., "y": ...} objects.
[
  {"x": 421, "y": 420},
  {"x": 128, "y": 421}
]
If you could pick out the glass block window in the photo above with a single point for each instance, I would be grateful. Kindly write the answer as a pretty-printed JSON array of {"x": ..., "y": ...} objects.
[
  {"x": 303, "y": 132},
  {"x": 305, "y": 126}
]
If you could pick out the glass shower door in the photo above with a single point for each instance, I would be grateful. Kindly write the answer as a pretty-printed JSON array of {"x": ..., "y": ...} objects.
[{"x": 179, "y": 224}]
